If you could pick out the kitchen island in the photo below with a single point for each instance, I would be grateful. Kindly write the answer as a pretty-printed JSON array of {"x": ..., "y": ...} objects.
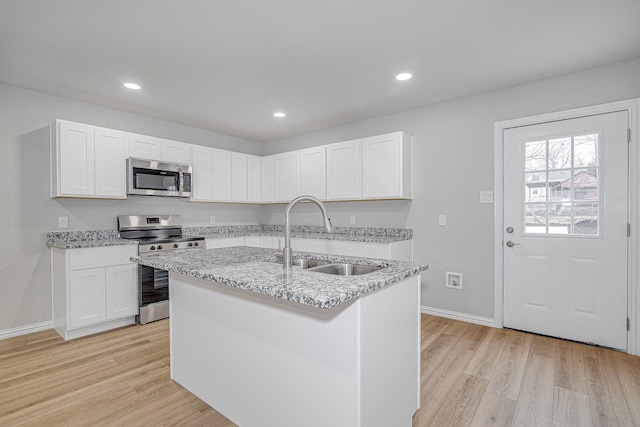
[{"x": 308, "y": 348}]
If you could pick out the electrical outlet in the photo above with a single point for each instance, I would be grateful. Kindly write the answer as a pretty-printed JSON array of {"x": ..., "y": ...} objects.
[
  {"x": 212, "y": 219},
  {"x": 453, "y": 280},
  {"x": 352, "y": 219},
  {"x": 486, "y": 197},
  {"x": 63, "y": 222},
  {"x": 442, "y": 220}
]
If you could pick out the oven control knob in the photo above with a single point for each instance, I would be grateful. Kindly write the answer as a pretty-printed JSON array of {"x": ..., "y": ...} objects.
[
  {"x": 195, "y": 244},
  {"x": 189, "y": 244},
  {"x": 159, "y": 247},
  {"x": 175, "y": 245},
  {"x": 153, "y": 248}
]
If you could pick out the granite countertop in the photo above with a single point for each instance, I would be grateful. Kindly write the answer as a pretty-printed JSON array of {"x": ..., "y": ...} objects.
[
  {"x": 86, "y": 239},
  {"x": 97, "y": 238},
  {"x": 259, "y": 270}
]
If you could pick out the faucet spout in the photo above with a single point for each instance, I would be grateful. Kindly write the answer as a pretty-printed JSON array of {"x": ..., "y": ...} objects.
[{"x": 286, "y": 251}]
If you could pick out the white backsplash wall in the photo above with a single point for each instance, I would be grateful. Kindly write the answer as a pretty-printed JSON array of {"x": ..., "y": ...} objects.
[
  {"x": 382, "y": 213},
  {"x": 453, "y": 163},
  {"x": 27, "y": 212}
]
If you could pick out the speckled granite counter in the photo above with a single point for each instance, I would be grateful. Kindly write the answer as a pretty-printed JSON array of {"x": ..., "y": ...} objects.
[
  {"x": 85, "y": 239},
  {"x": 353, "y": 234},
  {"x": 258, "y": 270},
  {"x": 97, "y": 238}
]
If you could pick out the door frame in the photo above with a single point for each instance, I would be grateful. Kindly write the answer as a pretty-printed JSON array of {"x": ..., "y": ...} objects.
[{"x": 632, "y": 106}]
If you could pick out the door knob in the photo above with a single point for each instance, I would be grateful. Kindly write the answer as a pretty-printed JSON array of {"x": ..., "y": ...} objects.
[{"x": 512, "y": 244}]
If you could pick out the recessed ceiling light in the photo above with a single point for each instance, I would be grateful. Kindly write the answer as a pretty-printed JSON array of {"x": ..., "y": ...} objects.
[
  {"x": 403, "y": 76},
  {"x": 279, "y": 114},
  {"x": 132, "y": 86}
]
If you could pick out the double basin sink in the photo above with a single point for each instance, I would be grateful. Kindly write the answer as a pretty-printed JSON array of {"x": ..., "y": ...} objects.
[{"x": 339, "y": 269}]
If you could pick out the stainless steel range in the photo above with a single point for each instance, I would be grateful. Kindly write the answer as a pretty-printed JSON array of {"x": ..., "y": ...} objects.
[{"x": 156, "y": 233}]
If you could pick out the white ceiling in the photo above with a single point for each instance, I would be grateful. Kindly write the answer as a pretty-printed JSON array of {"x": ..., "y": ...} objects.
[{"x": 227, "y": 65}]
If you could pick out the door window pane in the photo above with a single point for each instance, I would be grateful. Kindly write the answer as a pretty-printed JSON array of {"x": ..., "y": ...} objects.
[
  {"x": 536, "y": 156},
  {"x": 535, "y": 187},
  {"x": 562, "y": 185}
]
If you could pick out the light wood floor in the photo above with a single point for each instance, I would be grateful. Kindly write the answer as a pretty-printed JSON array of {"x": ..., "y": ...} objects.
[{"x": 471, "y": 376}]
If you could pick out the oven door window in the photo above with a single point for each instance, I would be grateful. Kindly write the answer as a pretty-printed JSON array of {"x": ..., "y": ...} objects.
[{"x": 149, "y": 179}]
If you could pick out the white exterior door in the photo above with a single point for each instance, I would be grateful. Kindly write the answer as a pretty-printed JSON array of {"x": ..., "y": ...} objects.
[{"x": 565, "y": 228}]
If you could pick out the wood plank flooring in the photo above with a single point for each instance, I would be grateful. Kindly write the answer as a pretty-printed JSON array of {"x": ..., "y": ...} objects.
[{"x": 471, "y": 376}]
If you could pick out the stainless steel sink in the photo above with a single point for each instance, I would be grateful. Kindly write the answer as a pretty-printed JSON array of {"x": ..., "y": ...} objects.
[{"x": 345, "y": 269}]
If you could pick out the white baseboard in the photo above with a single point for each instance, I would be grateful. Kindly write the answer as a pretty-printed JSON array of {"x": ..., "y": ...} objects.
[
  {"x": 27, "y": 329},
  {"x": 470, "y": 318}
]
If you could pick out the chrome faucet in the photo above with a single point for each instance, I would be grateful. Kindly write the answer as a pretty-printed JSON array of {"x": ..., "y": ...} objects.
[{"x": 286, "y": 251}]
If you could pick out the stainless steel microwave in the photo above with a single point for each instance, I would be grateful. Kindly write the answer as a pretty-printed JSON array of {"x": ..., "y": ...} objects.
[{"x": 152, "y": 178}]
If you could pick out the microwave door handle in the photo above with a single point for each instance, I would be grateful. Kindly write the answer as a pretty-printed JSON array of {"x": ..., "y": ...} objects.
[{"x": 180, "y": 181}]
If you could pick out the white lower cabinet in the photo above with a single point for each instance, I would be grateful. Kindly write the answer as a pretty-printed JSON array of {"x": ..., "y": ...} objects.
[
  {"x": 307, "y": 245},
  {"x": 402, "y": 250},
  {"x": 94, "y": 289},
  {"x": 225, "y": 242}
]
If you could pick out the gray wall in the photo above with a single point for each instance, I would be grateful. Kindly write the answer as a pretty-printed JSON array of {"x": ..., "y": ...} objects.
[
  {"x": 453, "y": 162},
  {"x": 453, "y": 158},
  {"x": 27, "y": 212}
]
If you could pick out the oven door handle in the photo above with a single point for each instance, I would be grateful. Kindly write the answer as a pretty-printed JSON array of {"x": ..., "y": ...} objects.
[{"x": 160, "y": 285}]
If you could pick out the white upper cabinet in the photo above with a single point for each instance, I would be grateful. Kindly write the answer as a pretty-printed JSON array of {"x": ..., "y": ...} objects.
[
  {"x": 162, "y": 150},
  {"x": 344, "y": 170},
  {"x": 201, "y": 174},
  {"x": 253, "y": 179},
  {"x": 110, "y": 165},
  {"x": 145, "y": 147},
  {"x": 301, "y": 172},
  {"x": 221, "y": 175},
  {"x": 312, "y": 172},
  {"x": 285, "y": 168},
  {"x": 176, "y": 152},
  {"x": 266, "y": 179},
  {"x": 88, "y": 161},
  {"x": 239, "y": 178},
  {"x": 211, "y": 175},
  {"x": 387, "y": 166}
]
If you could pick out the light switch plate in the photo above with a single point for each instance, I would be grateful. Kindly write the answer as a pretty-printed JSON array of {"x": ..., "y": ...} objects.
[
  {"x": 63, "y": 222},
  {"x": 442, "y": 220},
  {"x": 212, "y": 219},
  {"x": 352, "y": 219}
]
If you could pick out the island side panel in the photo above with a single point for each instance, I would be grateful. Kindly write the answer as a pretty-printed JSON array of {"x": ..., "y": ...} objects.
[
  {"x": 263, "y": 361},
  {"x": 390, "y": 354}
]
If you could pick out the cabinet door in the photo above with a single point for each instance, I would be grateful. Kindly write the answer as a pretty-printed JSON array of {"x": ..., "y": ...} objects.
[
  {"x": 145, "y": 147},
  {"x": 253, "y": 241},
  {"x": 76, "y": 156},
  {"x": 266, "y": 180},
  {"x": 286, "y": 176},
  {"x": 239, "y": 177},
  {"x": 121, "y": 283},
  {"x": 312, "y": 172},
  {"x": 386, "y": 166},
  {"x": 221, "y": 174},
  {"x": 253, "y": 179},
  {"x": 176, "y": 152},
  {"x": 86, "y": 297},
  {"x": 344, "y": 170},
  {"x": 202, "y": 174},
  {"x": 110, "y": 163}
]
